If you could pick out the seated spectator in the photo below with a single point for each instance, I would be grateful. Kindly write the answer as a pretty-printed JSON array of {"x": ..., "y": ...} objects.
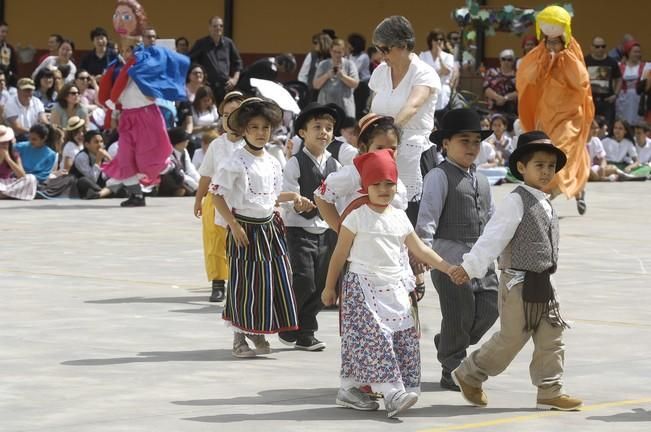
[
  {"x": 68, "y": 105},
  {"x": 182, "y": 45},
  {"x": 336, "y": 78},
  {"x": 196, "y": 79},
  {"x": 487, "y": 164},
  {"x": 206, "y": 138},
  {"x": 64, "y": 58},
  {"x": 500, "y": 139},
  {"x": 602, "y": 122},
  {"x": 97, "y": 61},
  {"x": 499, "y": 85},
  {"x": 45, "y": 91},
  {"x": 87, "y": 86},
  {"x": 204, "y": 111},
  {"x": 620, "y": 150},
  {"x": 6, "y": 92},
  {"x": 183, "y": 180},
  {"x": 37, "y": 158},
  {"x": 641, "y": 168},
  {"x": 600, "y": 169},
  {"x": 14, "y": 182},
  {"x": 53, "y": 44},
  {"x": 91, "y": 181},
  {"x": 74, "y": 141},
  {"x": 24, "y": 110},
  {"x": 443, "y": 64}
]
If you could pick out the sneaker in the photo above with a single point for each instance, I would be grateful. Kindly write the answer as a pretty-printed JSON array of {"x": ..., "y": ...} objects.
[
  {"x": 240, "y": 348},
  {"x": 288, "y": 339},
  {"x": 560, "y": 403},
  {"x": 309, "y": 343},
  {"x": 218, "y": 291},
  {"x": 366, "y": 389},
  {"x": 134, "y": 201},
  {"x": 400, "y": 402},
  {"x": 355, "y": 399},
  {"x": 473, "y": 395},
  {"x": 447, "y": 382},
  {"x": 261, "y": 344}
]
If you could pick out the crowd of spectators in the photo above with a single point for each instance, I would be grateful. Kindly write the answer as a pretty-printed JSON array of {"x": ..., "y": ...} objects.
[{"x": 52, "y": 110}]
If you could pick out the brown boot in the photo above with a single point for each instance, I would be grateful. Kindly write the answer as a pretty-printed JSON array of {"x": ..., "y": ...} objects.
[
  {"x": 473, "y": 395},
  {"x": 561, "y": 403}
]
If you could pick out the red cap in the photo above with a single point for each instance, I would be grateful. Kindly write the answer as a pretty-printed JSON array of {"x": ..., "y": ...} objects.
[
  {"x": 628, "y": 46},
  {"x": 374, "y": 167}
]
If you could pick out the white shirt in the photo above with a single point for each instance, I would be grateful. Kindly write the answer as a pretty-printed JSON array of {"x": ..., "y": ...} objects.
[
  {"x": 303, "y": 73},
  {"x": 70, "y": 150},
  {"x": 619, "y": 151},
  {"x": 190, "y": 173},
  {"x": 132, "y": 97},
  {"x": 415, "y": 134},
  {"x": 486, "y": 153},
  {"x": 448, "y": 61},
  {"x": 378, "y": 241},
  {"x": 249, "y": 184},
  {"x": 347, "y": 152},
  {"x": 26, "y": 116},
  {"x": 219, "y": 151},
  {"x": 291, "y": 174},
  {"x": 197, "y": 157},
  {"x": 596, "y": 150},
  {"x": 206, "y": 118},
  {"x": 644, "y": 153},
  {"x": 50, "y": 62},
  {"x": 499, "y": 231}
]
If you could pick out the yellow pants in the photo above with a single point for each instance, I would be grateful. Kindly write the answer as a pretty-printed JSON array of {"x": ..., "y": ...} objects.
[{"x": 214, "y": 242}]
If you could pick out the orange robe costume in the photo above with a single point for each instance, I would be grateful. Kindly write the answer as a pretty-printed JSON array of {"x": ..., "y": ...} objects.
[{"x": 554, "y": 96}]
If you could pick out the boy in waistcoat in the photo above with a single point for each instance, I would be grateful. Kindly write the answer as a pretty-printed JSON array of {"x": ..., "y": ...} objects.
[
  {"x": 309, "y": 239},
  {"x": 454, "y": 210},
  {"x": 524, "y": 233}
]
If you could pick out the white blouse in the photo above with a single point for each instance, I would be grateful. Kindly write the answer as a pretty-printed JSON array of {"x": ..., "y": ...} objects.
[
  {"x": 249, "y": 184},
  {"x": 219, "y": 151}
]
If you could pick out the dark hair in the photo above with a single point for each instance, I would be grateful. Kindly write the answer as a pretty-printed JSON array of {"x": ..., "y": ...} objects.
[
  {"x": 62, "y": 97},
  {"x": 526, "y": 158},
  {"x": 3, "y": 23},
  {"x": 498, "y": 117},
  {"x": 330, "y": 32},
  {"x": 194, "y": 66},
  {"x": 325, "y": 42},
  {"x": 182, "y": 38},
  {"x": 97, "y": 32},
  {"x": 65, "y": 71},
  {"x": 45, "y": 73},
  {"x": 202, "y": 92},
  {"x": 248, "y": 111},
  {"x": 433, "y": 35},
  {"x": 348, "y": 122},
  {"x": 371, "y": 50},
  {"x": 80, "y": 71},
  {"x": 601, "y": 120},
  {"x": 70, "y": 134},
  {"x": 383, "y": 126},
  {"x": 357, "y": 42},
  {"x": 42, "y": 130},
  {"x": 628, "y": 134},
  {"x": 58, "y": 37},
  {"x": 90, "y": 134},
  {"x": 69, "y": 42},
  {"x": 318, "y": 116},
  {"x": 287, "y": 61}
]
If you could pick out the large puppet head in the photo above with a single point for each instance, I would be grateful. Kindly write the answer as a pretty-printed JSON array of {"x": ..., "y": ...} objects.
[
  {"x": 129, "y": 18},
  {"x": 554, "y": 21}
]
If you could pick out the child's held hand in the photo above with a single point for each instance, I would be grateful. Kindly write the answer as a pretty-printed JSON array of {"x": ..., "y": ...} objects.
[
  {"x": 302, "y": 204},
  {"x": 328, "y": 297},
  {"x": 458, "y": 275},
  {"x": 239, "y": 235}
]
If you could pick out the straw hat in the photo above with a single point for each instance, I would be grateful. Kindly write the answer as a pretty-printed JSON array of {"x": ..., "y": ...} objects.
[{"x": 74, "y": 123}]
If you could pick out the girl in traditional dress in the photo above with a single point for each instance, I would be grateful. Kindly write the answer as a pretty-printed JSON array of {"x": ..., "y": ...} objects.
[
  {"x": 246, "y": 189},
  {"x": 379, "y": 344}
]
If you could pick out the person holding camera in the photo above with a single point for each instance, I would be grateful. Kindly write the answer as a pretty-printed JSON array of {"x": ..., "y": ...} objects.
[{"x": 337, "y": 78}]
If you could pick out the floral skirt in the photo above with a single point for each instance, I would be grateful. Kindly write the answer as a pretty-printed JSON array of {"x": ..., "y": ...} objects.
[{"x": 371, "y": 353}]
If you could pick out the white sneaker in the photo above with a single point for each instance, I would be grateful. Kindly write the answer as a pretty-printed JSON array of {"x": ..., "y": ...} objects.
[
  {"x": 355, "y": 399},
  {"x": 400, "y": 402}
]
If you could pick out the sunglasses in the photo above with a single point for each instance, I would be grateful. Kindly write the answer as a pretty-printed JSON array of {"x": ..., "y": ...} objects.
[
  {"x": 507, "y": 59},
  {"x": 599, "y": 46},
  {"x": 383, "y": 49}
]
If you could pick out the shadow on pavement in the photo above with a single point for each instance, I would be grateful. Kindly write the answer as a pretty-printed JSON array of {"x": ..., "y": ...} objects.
[
  {"x": 320, "y": 396},
  {"x": 192, "y": 301},
  {"x": 460, "y": 410},
  {"x": 636, "y": 415},
  {"x": 310, "y": 414},
  {"x": 165, "y": 356}
]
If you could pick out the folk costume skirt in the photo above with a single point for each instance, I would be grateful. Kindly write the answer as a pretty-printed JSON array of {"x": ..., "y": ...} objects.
[{"x": 260, "y": 299}]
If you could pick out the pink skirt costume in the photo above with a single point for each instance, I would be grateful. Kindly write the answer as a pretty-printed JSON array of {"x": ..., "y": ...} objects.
[{"x": 144, "y": 145}]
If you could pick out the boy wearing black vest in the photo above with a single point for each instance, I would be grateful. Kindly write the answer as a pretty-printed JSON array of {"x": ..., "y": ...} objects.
[
  {"x": 455, "y": 207},
  {"x": 524, "y": 233},
  {"x": 309, "y": 240}
]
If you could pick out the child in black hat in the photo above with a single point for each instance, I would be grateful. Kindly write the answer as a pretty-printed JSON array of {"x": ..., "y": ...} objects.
[
  {"x": 454, "y": 210},
  {"x": 310, "y": 240},
  {"x": 524, "y": 233}
]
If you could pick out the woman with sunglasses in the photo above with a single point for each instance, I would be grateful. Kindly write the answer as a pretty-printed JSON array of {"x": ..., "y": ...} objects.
[
  {"x": 68, "y": 105},
  {"x": 499, "y": 85}
]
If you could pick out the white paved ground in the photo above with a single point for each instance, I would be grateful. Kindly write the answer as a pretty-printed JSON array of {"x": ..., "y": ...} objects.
[{"x": 106, "y": 327}]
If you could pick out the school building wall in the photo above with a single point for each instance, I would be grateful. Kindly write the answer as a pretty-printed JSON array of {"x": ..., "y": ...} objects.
[{"x": 273, "y": 26}]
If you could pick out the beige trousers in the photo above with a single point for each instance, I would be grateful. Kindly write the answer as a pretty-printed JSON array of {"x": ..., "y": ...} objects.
[{"x": 493, "y": 357}]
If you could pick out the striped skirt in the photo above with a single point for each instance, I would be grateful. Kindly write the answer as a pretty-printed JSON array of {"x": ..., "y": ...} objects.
[
  {"x": 23, "y": 188},
  {"x": 260, "y": 298}
]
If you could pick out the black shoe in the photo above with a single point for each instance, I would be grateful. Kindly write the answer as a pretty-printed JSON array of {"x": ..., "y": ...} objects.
[
  {"x": 581, "y": 205},
  {"x": 448, "y": 383},
  {"x": 134, "y": 201},
  {"x": 309, "y": 343},
  {"x": 218, "y": 291},
  {"x": 287, "y": 338}
]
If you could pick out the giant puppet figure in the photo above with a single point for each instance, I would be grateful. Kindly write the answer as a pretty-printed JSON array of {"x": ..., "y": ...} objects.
[
  {"x": 554, "y": 96},
  {"x": 131, "y": 86}
]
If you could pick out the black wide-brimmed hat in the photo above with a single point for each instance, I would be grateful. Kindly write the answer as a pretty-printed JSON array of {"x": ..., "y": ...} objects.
[
  {"x": 533, "y": 141},
  {"x": 254, "y": 104},
  {"x": 458, "y": 121},
  {"x": 312, "y": 110}
]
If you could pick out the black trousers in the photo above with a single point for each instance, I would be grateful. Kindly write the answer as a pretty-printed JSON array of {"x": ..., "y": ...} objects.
[
  {"x": 309, "y": 255},
  {"x": 467, "y": 314}
]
